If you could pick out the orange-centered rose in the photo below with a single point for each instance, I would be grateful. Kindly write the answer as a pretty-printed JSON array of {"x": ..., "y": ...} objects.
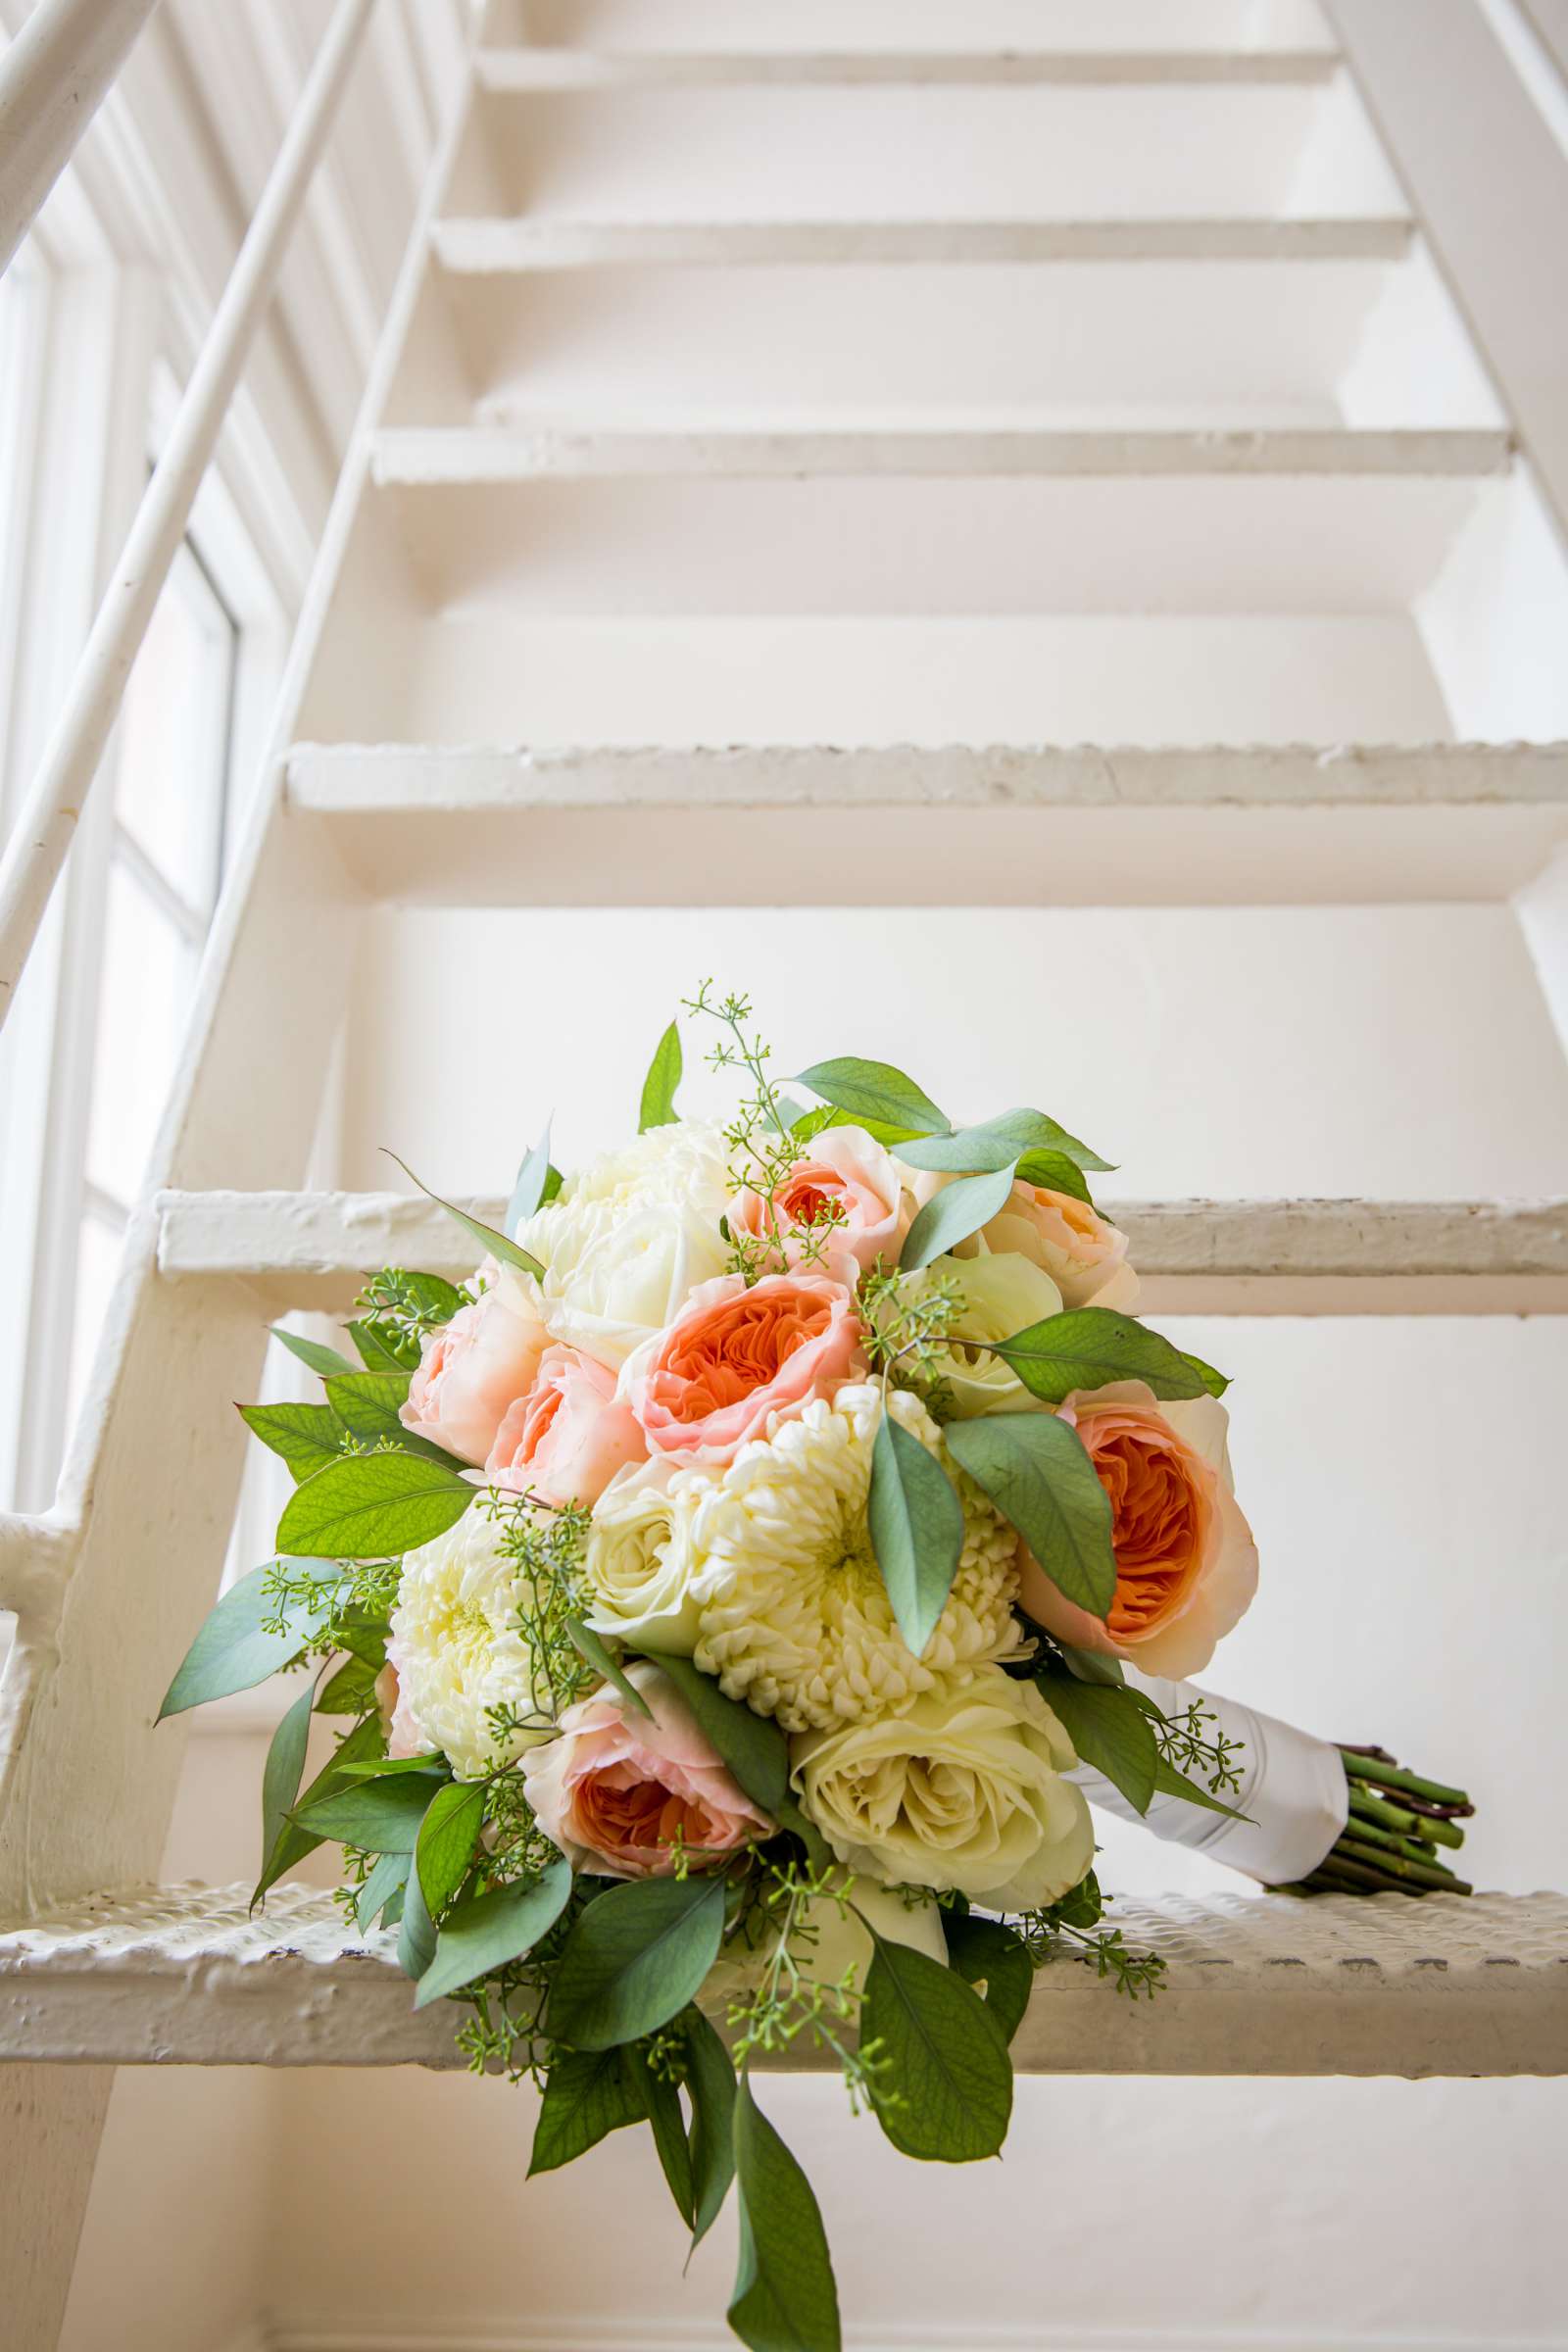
[
  {"x": 1186, "y": 1563},
  {"x": 736, "y": 1359},
  {"x": 840, "y": 1208}
]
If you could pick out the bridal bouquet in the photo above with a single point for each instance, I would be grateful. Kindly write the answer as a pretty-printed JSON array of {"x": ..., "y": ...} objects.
[{"x": 727, "y": 1591}]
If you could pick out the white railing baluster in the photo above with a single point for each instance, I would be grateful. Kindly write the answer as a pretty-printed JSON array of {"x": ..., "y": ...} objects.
[
  {"x": 53, "y": 78},
  {"x": 47, "y": 821}
]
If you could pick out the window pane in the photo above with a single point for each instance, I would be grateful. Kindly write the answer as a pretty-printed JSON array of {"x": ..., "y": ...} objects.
[
  {"x": 144, "y": 1003},
  {"x": 97, "y": 1264},
  {"x": 174, "y": 738}
]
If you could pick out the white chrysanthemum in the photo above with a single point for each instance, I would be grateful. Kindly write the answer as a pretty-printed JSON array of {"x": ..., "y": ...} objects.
[
  {"x": 629, "y": 1237},
  {"x": 641, "y": 1559},
  {"x": 459, "y": 1648},
  {"x": 800, "y": 1624}
]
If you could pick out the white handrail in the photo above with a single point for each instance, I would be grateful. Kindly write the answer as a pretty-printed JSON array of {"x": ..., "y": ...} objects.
[
  {"x": 53, "y": 78},
  {"x": 47, "y": 821}
]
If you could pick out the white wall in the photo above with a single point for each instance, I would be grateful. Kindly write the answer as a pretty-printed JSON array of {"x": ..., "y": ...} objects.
[{"x": 1402, "y": 1476}]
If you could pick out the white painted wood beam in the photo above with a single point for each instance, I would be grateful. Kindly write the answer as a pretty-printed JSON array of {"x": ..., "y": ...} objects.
[
  {"x": 1249, "y": 1257},
  {"x": 1254, "y": 1986},
  {"x": 480, "y": 245},
  {"x": 506, "y": 70}
]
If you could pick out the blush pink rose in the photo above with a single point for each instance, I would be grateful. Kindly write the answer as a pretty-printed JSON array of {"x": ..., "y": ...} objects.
[
  {"x": 735, "y": 1359},
  {"x": 1186, "y": 1562},
  {"x": 567, "y": 1438},
  {"x": 471, "y": 1371},
  {"x": 399, "y": 1730},
  {"x": 621, "y": 1792},
  {"x": 840, "y": 1210}
]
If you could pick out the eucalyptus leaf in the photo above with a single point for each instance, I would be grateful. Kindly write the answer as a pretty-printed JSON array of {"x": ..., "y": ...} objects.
[
  {"x": 381, "y": 1816},
  {"x": 417, "y": 1935},
  {"x": 710, "y": 2088},
  {"x": 388, "y": 1876},
  {"x": 303, "y": 1436},
  {"x": 292, "y": 1844},
  {"x": 1216, "y": 1383},
  {"x": 985, "y": 1952},
  {"x": 349, "y": 1689},
  {"x": 812, "y": 1123},
  {"x": 876, "y": 1090},
  {"x": 1109, "y": 1731},
  {"x": 634, "y": 1958},
  {"x": 752, "y": 1747},
  {"x": 1036, "y": 1473},
  {"x": 234, "y": 1650},
  {"x": 371, "y": 1506},
  {"x": 380, "y": 1768},
  {"x": 285, "y": 1767},
  {"x": 325, "y": 1360},
  {"x": 945, "y": 2052},
  {"x": 785, "y": 2297},
  {"x": 492, "y": 1930},
  {"x": 448, "y": 1836},
  {"x": 949, "y": 1216},
  {"x": 1091, "y": 1665},
  {"x": 664, "y": 1072},
  {"x": 1089, "y": 1348},
  {"x": 496, "y": 1244},
  {"x": 533, "y": 1179},
  {"x": 588, "y": 2094},
  {"x": 916, "y": 1527},
  {"x": 589, "y": 1647},
  {"x": 1055, "y": 1172},
  {"x": 373, "y": 1352},
  {"x": 997, "y": 1142},
  {"x": 1169, "y": 1781},
  {"x": 668, "y": 2125}
]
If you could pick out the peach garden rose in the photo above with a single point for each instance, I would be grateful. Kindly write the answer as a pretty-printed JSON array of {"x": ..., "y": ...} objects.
[
  {"x": 566, "y": 1439},
  {"x": 847, "y": 1191},
  {"x": 736, "y": 1359},
  {"x": 472, "y": 1370}
]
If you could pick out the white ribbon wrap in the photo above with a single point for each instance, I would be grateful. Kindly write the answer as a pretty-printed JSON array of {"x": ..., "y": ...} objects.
[{"x": 1292, "y": 1786}]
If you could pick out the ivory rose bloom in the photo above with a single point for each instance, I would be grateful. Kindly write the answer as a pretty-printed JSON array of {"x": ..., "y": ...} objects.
[
  {"x": 1000, "y": 1293},
  {"x": 640, "y": 1560},
  {"x": 627, "y": 1240},
  {"x": 960, "y": 1790},
  {"x": 618, "y": 1792},
  {"x": 846, "y": 1178},
  {"x": 736, "y": 1360},
  {"x": 569, "y": 1436},
  {"x": 796, "y": 1619},
  {"x": 458, "y": 1650},
  {"x": 1186, "y": 1563},
  {"x": 1082, "y": 1252},
  {"x": 472, "y": 1370}
]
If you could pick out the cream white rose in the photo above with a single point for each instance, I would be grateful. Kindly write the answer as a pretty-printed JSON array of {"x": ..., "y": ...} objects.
[
  {"x": 629, "y": 1237},
  {"x": 1002, "y": 1294},
  {"x": 961, "y": 1789},
  {"x": 647, "y": 1578}
]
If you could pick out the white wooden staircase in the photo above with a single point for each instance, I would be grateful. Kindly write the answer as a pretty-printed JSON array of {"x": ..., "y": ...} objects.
[{"x": 1071, "y": 450}]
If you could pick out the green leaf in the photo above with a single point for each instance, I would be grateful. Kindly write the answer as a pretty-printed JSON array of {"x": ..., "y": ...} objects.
[
  {"x": 417, "y": 1935},
  {"x": 303, "y": 1436},
  {"x": 388, "y": 1878},
  {"x": 371, "y": 1506},
  {"x": 657, "y": 1109},
  {"x": 1035, "y": 1470},
  {"x": 325, "y": 1360},
  {"x": 350, "y": 1690},
  {"x": 380, "y": 1767},
  {"x": 1169, "y": 1781},
  {"x": 752, "y": 1747},
  {"x": 1091, "y": 1665},
  {"x": 876, "y": 1090},
  {"x": 1216, "y": 1383},
  {"x": 382, "y": 1816},
  {"x": 373, "y": 1352},
  {"x": 916, "y": 1525},
  {"x": 1055, "y": 1172},
  {"x": 785, "y": 2297},
  {"x": 985, "y": 1952},
  {"x": 710, "y": 2088},
  {"x": 533, "y": 1178},
  {"x": 1109, "y": 1731},
  {"x": 953, "y": 1214},
  {"x": 945, "y": 2055},
  {"x": 493, "y": 1931},
  {"x": 1090, "y": 1346},
  {"x": 285, "y": 1767},
  {"x": 292, "y": 1844},
  {"x": 663, "y": 2101},
  {"x": 496, "y": 1244},
  {"x": 997, "y": 1142},
  {"x": 367, "y": 1405},
  {"x": 812, "y": 1123},
  {"x": 586, "y": 1642},
  {"x": 635, "y": 1958},
  {"x": 233, "y": 1652},
  {"x": 448, "y": 1836},
  {"x": 588, "y": 2094}
]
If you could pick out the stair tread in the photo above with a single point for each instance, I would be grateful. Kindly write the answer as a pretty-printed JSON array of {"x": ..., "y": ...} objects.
[
  {"x": 1254, "y": 1986},
  {"x": 522, "y": 68},
  {"x": 420, "y": 456},
  {"x": 482, "y": 244}
]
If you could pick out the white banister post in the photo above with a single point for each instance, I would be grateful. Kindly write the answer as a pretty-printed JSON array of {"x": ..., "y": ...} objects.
[
  {"x": 53, "y": 78},
  {"x": 47, "y": 821}
]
